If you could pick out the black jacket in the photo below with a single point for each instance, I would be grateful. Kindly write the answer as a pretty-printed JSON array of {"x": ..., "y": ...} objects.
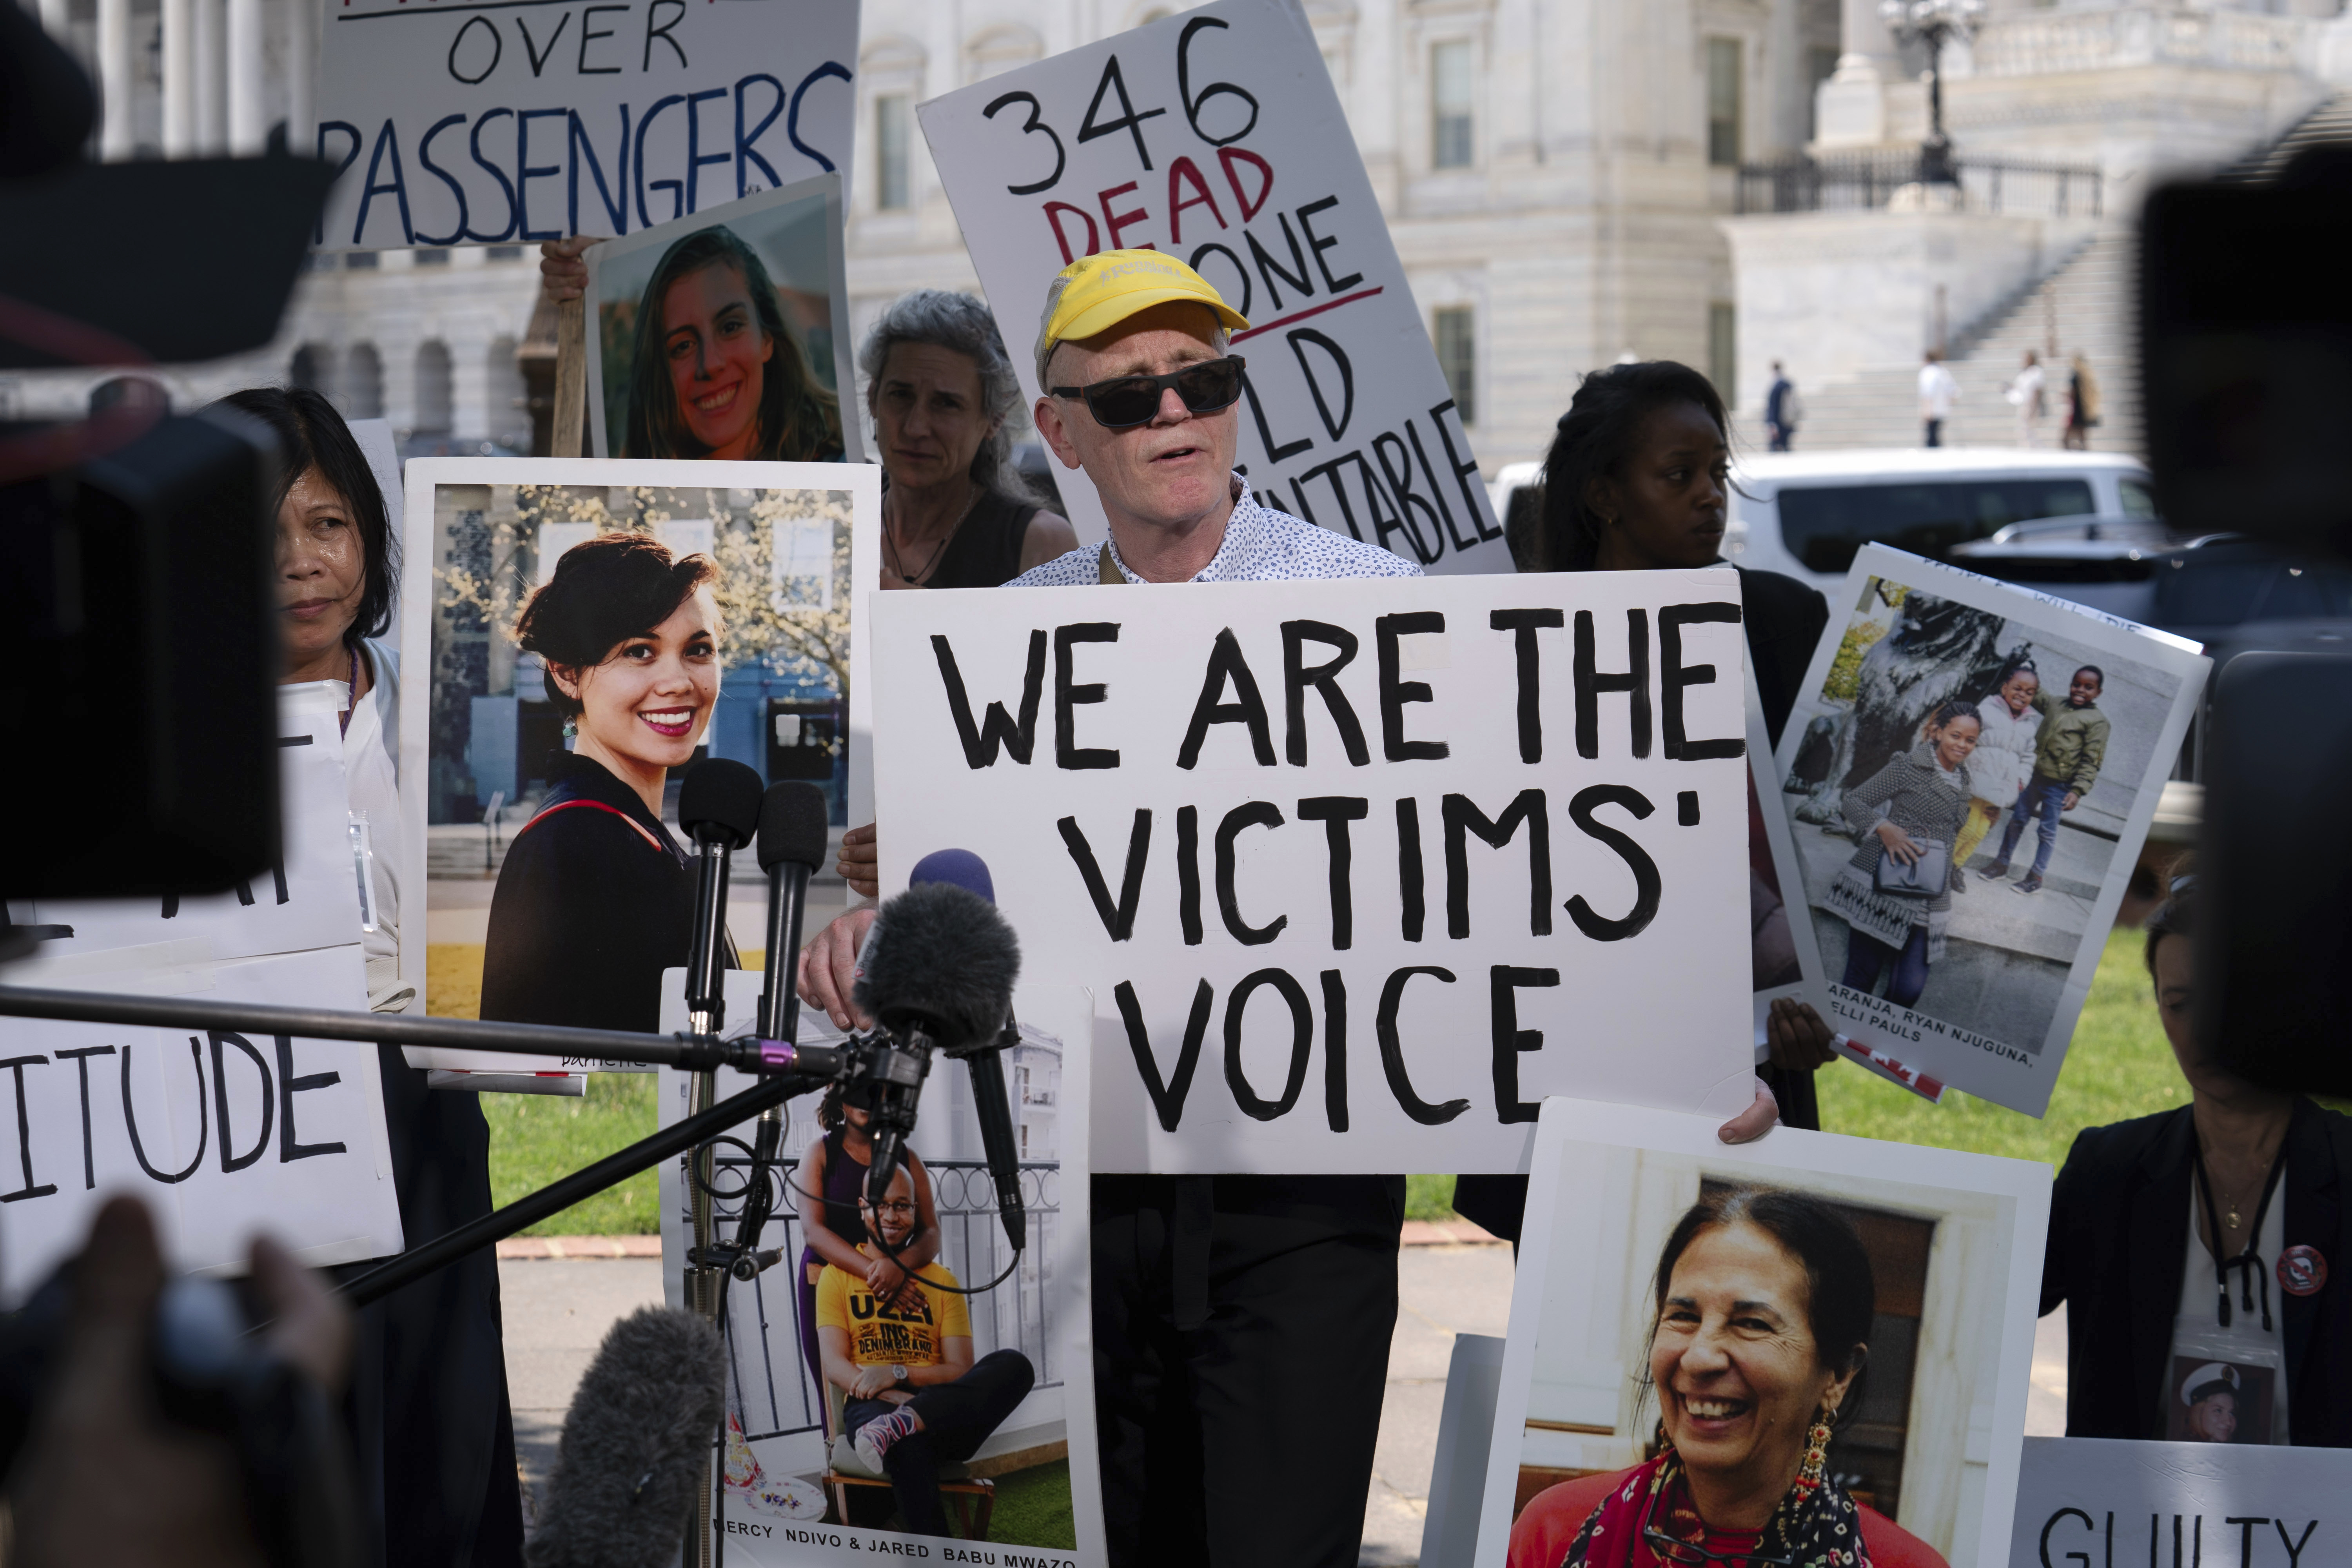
[
  {"x": 588, "y": 912},
  {"x": 1783, "y": 619},
  {"x": 2119, "y": 1233}
]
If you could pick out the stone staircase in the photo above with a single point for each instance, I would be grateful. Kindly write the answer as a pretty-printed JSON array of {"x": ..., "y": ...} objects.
[
  {"x": 2331, "y": 121},
  {"x": 2086, "y": 303}
]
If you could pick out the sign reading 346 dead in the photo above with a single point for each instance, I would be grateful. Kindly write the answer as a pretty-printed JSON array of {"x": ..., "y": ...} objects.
[
  {"x": 1216, "y": 137},
  {"x": 460, "y": 123},
  {"x": 1358, "y": 872}
]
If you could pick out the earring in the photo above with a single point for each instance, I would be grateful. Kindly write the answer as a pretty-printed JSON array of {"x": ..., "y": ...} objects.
[
  {"x": 1817, "y": 1452},
  {"x": 571, "y": 729}
]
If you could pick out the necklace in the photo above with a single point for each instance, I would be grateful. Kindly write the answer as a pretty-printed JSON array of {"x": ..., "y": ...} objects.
[{"x": 899, "y": 555}]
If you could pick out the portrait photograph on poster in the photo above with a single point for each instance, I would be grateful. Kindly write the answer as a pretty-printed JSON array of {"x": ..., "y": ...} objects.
[
  {"x": 1969, "y": 771},
  {"x": 598, "y": 628},
  {"x": 1766, "y": 1350},
  {"x": 820, "y": 1465},
  {"x": 725, "y": 334}
]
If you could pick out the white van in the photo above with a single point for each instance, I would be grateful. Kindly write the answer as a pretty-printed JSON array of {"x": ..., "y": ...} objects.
[{"x": 1806, "y": 513}]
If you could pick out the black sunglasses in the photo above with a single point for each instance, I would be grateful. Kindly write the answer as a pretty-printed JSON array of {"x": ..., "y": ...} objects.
[{"x": 1127, "y": 401}]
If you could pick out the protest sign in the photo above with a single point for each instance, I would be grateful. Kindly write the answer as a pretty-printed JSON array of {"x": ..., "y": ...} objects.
[
  {"x": 2015, "y": 744},
  {"x": 1021, "y": 1473},
  {"x": 725, "y": 331},
  {"x": 2086, "y": 1501},
  {"x": 485, "y": 534},
  {"x": 1784, "y": 960},
  {"x": 1464, "y": 842},
  {"x": 222, "y": 1134},
  {"x": 1217, "y": 137},
  {"x": 456, "y": 124},
  {"x": 1592, "y": 1365}
]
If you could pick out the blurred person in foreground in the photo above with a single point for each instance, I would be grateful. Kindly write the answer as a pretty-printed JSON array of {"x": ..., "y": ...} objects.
[
  {"x": 1762, "y": 1340},
  {"x": 101, "y": 1463},
  {"x": 2211, "y": 1232}
]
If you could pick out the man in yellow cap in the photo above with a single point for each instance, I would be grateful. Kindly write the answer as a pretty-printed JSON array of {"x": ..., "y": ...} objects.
[{"x": 1142, "y": 392}]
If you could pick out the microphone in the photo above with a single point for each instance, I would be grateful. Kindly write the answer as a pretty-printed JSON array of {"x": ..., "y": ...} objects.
[
  {"x": 983, "y": 1062},
  {"x": 718, "y": 806},
  {"x": 793, "y": 821},
  {"x": 939, "y": 965},
  {"x": 629, "y": 1466}
]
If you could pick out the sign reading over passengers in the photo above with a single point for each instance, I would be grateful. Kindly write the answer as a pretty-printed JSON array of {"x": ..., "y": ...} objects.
[
  {"x": 465, "y": 122},
  {"x": 1216, "y": 136}
]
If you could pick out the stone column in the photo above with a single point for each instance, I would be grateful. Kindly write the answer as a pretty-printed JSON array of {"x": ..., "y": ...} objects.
[
  {"x": 1852, "y": 102},
  {"x": 212, "y": 79},
  {"x": 178, "y": 19},
  {"x": 249, "y": 126},
  {"x": 301, "y": 76},
  {"x": 116, "y": 62}
]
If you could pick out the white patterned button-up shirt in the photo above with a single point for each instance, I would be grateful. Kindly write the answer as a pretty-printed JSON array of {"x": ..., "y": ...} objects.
[{"x": 1261, "y": 545}]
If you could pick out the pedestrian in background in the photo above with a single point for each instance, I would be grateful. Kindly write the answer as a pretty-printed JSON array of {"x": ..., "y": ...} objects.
[
  {"x": 1782, "y": 409},
  {"x": 2025, "y": 395},
  {"x": 2082, "y": 404},
  {"x": 1937, "y": 392}
]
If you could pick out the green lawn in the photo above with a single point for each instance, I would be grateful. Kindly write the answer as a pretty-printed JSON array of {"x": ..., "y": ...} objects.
[{"x": 2119, "y": 1067}]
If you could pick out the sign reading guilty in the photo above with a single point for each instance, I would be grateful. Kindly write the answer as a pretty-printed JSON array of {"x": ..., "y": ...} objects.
[
  {"x": 1359, "y": 871},
  {"x": 465, "y": 122},
  {"x": 1216, "y": 137}
]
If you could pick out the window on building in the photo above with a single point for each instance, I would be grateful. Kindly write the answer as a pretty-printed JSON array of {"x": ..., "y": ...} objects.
[
  {"x": 1722, "y": 349},
  {"x": 503, "y": 397},
  {"x": 432, "y": 256},
  {"x": 891, "y": 139},
  {"x": 313, "y": 369},
  {"x": 505, "y": 253},
  {"x": 1723, "y": 101},
  {"x": 1821, "y": 64},
  {"x": 361, "y": 260},
  {"x": 437, "y": 392},
  {"x": 363, "y": 382},
  {"x": 1457, "y": 356},
  {"x": 1449, "y": 105}
]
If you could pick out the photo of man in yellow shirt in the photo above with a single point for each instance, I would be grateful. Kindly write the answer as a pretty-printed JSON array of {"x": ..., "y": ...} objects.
[{"x": 916, "y": 1398}]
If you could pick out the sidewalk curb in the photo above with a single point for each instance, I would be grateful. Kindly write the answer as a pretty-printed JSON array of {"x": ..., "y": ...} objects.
[
  {"x": 1454, "y": 1232},
  {"x": 546, "y": 1247}
]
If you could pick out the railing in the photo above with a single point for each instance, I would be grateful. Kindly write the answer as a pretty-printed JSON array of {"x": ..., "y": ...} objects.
[
  {"x": 778, "y": 1400},
  {"x": 1863, "y": 182},
  {"x": 2139, "y": 36}
]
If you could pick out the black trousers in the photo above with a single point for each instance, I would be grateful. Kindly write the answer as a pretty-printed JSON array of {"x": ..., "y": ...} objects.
[
  {"x": 957, "y": 1419},
  {"x": 1241, "y": 1330}
]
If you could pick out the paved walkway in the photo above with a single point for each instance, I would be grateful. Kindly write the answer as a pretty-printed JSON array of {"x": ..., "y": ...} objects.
[{"x": 558, "y": 1308}]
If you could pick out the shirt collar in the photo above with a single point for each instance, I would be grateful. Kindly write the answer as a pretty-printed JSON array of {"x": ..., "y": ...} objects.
[{"x": 1241, "y": 531}]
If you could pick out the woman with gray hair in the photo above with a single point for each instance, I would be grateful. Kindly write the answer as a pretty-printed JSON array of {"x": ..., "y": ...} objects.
[{"x": 942, "y": 393}]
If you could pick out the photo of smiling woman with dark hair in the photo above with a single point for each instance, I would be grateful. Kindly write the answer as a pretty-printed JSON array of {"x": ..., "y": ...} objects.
[
  {"x": 1758, "y": 1352},
  {"x": 596, "y": 898},
  {"x": 715, "y": 371}
]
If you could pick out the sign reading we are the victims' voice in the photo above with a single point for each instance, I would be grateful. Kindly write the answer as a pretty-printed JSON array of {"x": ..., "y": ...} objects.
[
  {"x": 455, "y": 122},
  {"x": 1358, "y": 872},
  {"x": 1217, "y": 137}
]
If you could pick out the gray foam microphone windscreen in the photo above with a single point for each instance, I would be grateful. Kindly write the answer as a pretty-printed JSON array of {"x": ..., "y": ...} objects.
[{"x": 944, "y": 955}]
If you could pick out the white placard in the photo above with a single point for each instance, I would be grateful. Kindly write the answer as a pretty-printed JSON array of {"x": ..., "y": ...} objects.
[
  {"x": 1348, "y": 894},
  {"x": 1217, "y": 137},
  {"x": 770, "y": 1513},
  {"x": 309, "y": 899},
  {"x": 2097, "y": 1500},
  {"x": 455, "y": 122},
  {"x": 1955, "y": 1242},
  {"x": 224, "y": 1135},
  {"x": 2008, "y": 967}
]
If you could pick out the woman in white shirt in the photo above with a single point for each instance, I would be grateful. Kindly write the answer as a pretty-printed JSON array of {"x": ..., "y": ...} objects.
[
  {"x": 431, "y": 1426},
  {"x": 2003, "y": 762}
]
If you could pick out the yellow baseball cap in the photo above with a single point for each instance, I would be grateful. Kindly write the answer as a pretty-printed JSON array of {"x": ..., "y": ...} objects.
[{"x": 1095, "y": 293}]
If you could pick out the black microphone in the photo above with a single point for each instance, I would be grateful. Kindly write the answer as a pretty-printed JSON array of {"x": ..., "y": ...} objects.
[
  {"x": 718, "y": 806},
  {"x": 629, "y": 1466},
  {"x": 984, "y": 1065},
  {"x": 793, "y": 819},
  {"x": 938, "y": 967}
]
